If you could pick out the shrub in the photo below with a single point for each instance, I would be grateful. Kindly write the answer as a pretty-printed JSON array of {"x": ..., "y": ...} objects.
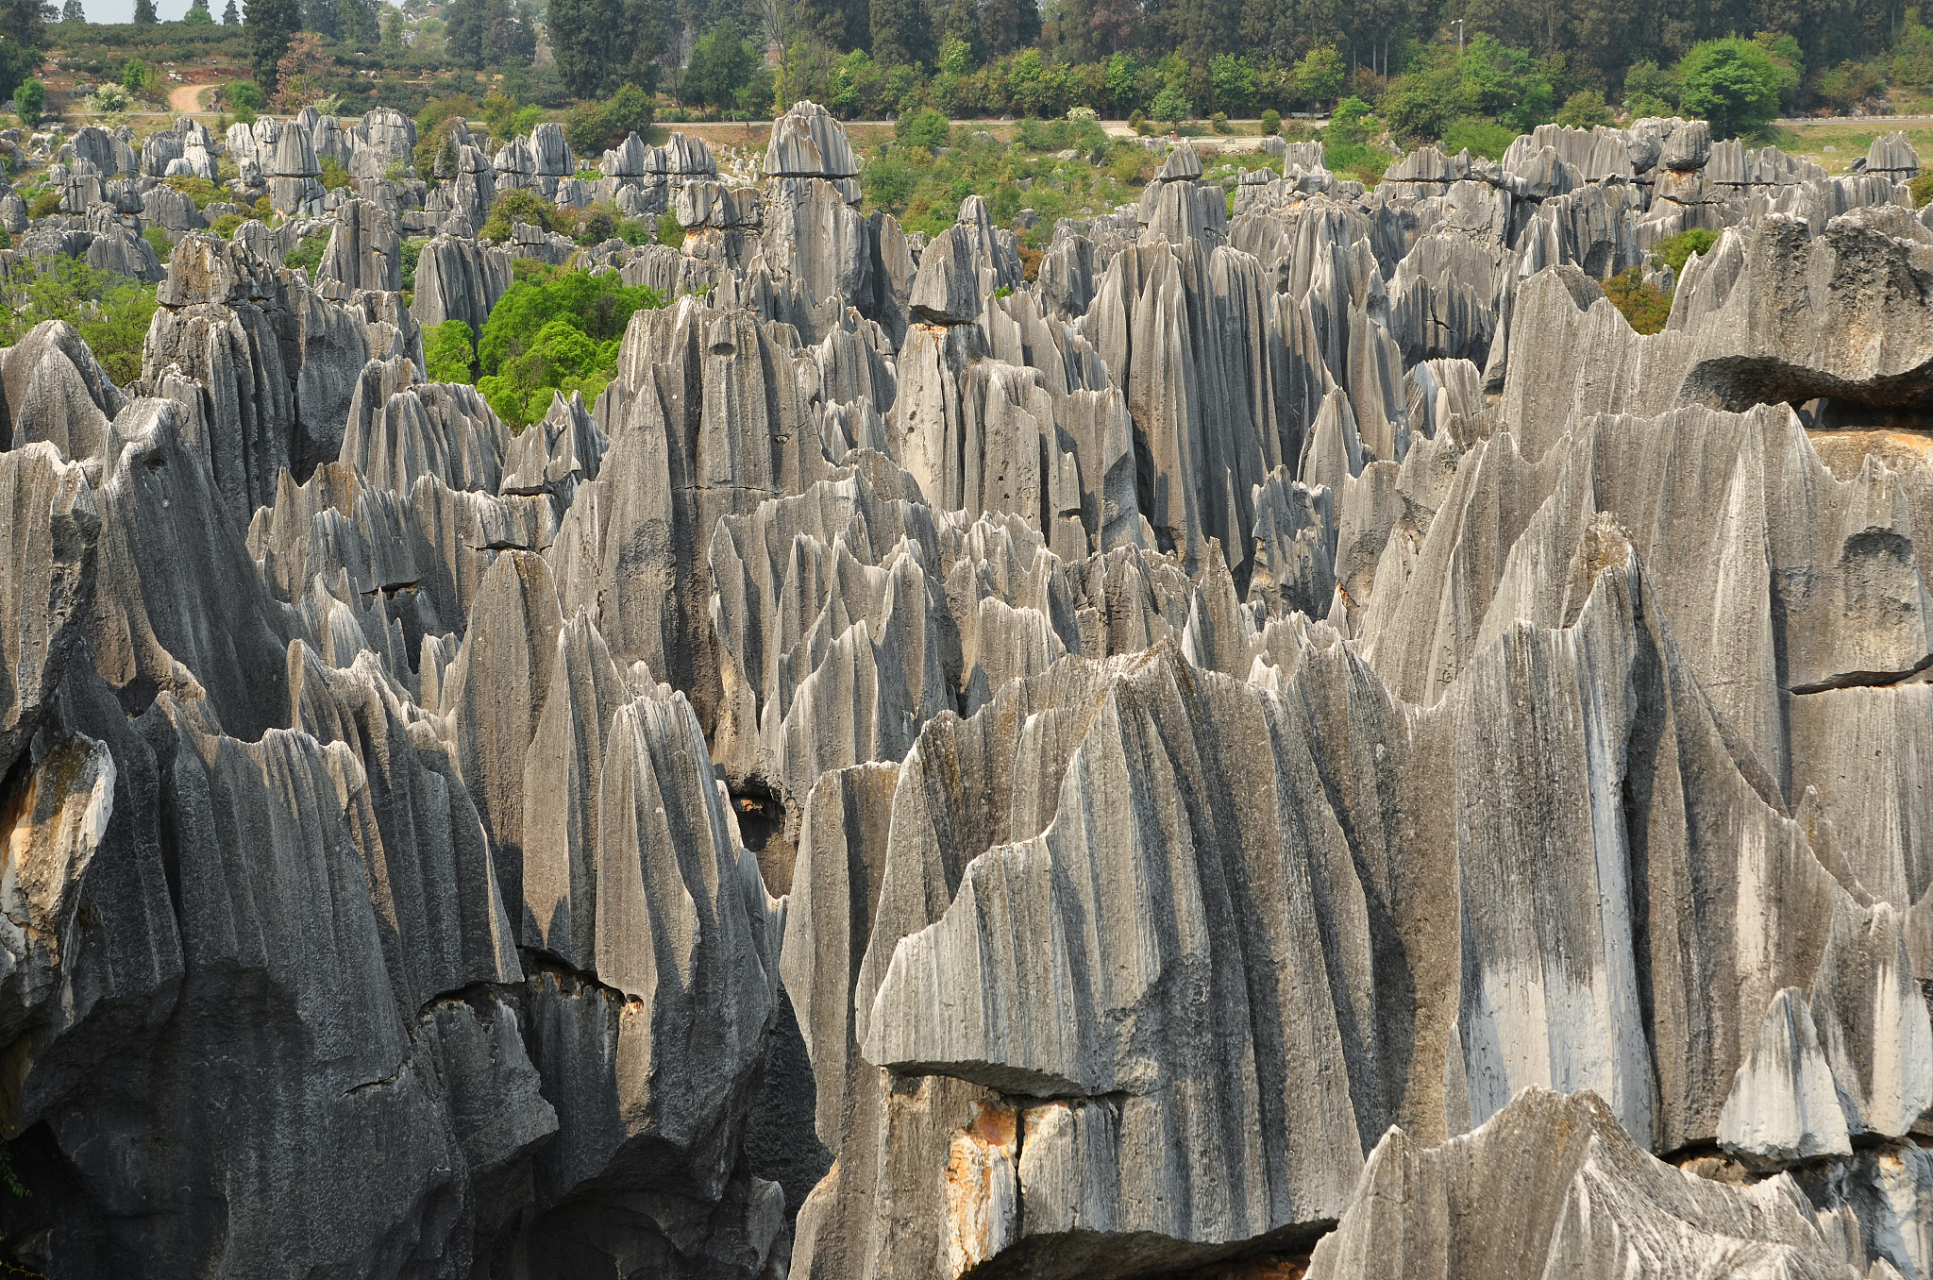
[
  {"x": 1675, "y": 251},
  {"x": 29, "y": 100},
  {"x": 334, "y": 176},
  {"x": 514, "y": 205},
  {"x": 1271, "y": 122},
  {"x": 412, "y": 254},
  {"x": 199, "y": 190},
  {"x": 307, "y": 253},
  {"x": 1139, "y": 123},
  {"x": 1921, "y": 189},
  {"x": 1650, "y": 91},
  {"x": 1584, "y": 109},
  {"x": 433, "y": 127},
  {"x": 671, "y": 232},
  {"x": 157, "y": 238},
  {"x": 597, "y": 227},
  {"x": 922, "y": 128},
  {"x": 449, "y": 352},
  {"x": 1127, "y": 164},
  {"x": 226, "y": 224},
  {"x": 244, "y": 93},
  {"x": 45, "y": 205},
  {"x": 110, "y": 311},
  {"x": 1481, "y": 137},
  {"x": 556, "y": 331},
  {"x": 1645, "y": 306},
  {"x": 1219, "y": 122}
]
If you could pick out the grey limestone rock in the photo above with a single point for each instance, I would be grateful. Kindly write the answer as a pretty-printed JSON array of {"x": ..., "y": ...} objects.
[
  {"x": 807, "y": 143},
  {"x": 1555, "y": 1183},
  {"x": 51, "y": 534},
  {"x": 364, "y": 252},
  {"x": 1300, "y": 731}
]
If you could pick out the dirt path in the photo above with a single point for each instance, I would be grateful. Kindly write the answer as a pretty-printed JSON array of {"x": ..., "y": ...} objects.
[{"x": 185, "y": 97}]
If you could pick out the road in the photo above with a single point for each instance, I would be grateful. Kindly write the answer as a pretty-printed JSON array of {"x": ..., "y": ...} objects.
[{"x": 185, "y": 97}]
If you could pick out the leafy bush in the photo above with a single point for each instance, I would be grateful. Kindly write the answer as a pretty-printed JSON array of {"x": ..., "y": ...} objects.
[
  {"x": 597, "y": 227},
  {"x": 157, "y": 238},
  {"x": 923, "y": 128},
  {"x": 671, "y": 232},
  {"x": 241, "y": 94},
  {"x": 225, "y": 225},
  {"x": 307, "y": 254},
  {"x": 1059, "y": 135},
  {"x": 433, "y": 128},
  {"x": 554, "y": 331},
  {"x": 412, "y": 254},
  {"x": 1921, "y": 189},
  {"x": 1650, "y": 91},
  {"x": 334, "y": 176},
  {"x": 29, "y": 100},
  {"x": 449, "y": 352},
  {"x": 1645, "y": 306},
  {"x": 1271, "y": 122},
  {"x": 110, "y": 311},
  {"x": 1483, "y": 138},
  {"x": 1584, "y": 109},
  {"x": 1128, "y": 164},
  {"x": 1675, "y": 251},
  {"x": 199, "y": 190},
  {"x": 1219, "y": 122},
  {"x": 45, "y": 205},
  {"x": 1138, "y": 122},
  {"x": 517, "y": 204}
]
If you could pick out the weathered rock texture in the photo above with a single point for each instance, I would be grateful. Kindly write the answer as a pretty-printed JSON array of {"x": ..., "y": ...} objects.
[{"x": 1286, "y": 739}]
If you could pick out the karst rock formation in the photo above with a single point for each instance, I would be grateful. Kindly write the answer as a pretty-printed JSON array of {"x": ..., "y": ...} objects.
[{"x": 1293, "y": 737}]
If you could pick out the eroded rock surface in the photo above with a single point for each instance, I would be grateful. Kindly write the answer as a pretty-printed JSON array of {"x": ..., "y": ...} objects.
[{"x": 1285, "y": 739}]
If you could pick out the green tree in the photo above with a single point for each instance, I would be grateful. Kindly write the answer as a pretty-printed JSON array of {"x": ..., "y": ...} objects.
[
  {"x": 1731, "y": 83},
  {"x": 1419, "y": 106},
  {"x": 1233, "y": 84},
  {"x": 1320, "y": 74},
  {"x": 110, "y": 311},
  {"x": 198, "y": 15},
  {"x": 628, "y": 111},
  {"x": 270, "y": 24},
  {"x": 722, "y": 63},
  {"x": 392, "y": 38},
  {"x": 25, "y": 21},
  {"x": 554, "y": 331},
  {"x": 1584, "y": 109},
  {"x": 74, "y": 13},
  {"x": 1170, "y": 106},
  {"x": 583, "y": 38},
  {"x": 902, "y": 33},
  {"x": 922, "y": 128},
  {"x": 144, "y": 14},
  {"x": 136, "y": 75},
  {"x": 449, "y": 352},
  {"x": 29, "y": 100},
  {"x": 1650, "y": 91}
]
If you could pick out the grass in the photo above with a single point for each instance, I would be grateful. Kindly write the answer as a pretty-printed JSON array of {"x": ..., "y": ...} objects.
[{"x": 1849, "y": 141}]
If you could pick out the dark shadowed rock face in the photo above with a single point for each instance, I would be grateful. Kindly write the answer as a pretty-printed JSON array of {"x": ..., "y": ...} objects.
[{"x": 1293, "y": 739}]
